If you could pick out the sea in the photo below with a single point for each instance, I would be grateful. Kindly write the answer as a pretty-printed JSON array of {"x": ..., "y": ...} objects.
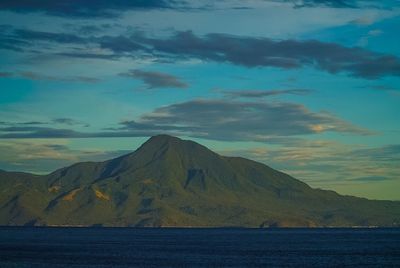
[{"x": 198, "y": 247}]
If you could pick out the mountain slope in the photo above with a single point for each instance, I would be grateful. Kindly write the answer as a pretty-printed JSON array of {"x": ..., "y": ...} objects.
[{"x": 173, "y": 182}]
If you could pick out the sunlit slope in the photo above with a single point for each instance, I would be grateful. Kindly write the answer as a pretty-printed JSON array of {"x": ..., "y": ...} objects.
[{"x": 174, "y": 182}]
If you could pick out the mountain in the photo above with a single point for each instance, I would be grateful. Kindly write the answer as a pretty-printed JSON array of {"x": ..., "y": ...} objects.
[{"x": 174, "y": 182}]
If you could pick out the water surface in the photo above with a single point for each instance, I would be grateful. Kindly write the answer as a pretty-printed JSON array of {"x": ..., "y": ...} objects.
[{"x": 130, "y": 247}]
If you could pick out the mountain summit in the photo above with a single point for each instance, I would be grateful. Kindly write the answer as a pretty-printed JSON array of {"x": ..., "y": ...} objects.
[{"x": 174, "y": 182}]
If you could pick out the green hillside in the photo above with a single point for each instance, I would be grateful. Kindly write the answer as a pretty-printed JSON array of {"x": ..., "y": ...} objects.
[{"x": 174, "y": 182}]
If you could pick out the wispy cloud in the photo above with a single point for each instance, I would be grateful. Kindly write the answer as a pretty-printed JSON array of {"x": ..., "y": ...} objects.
[
  {"x": 384, "y": 153},
  {"x": 329, "y": 3},
  {"x": 45, "y": 156},
  {"x": 371, "y": 179},
  {"x": 39, "y": 77},
  {"x": 6, "y": 74},
  {"x": 324, "y": 162},
  {"x": 69, "y": 122},
  {"x": 156, "y": 79},
  {"x": 81, "y": 9},
  {"x": 36, "y": 125},
  {"x": 251, "y": 93},
  {"x": 64, "y": 38}
]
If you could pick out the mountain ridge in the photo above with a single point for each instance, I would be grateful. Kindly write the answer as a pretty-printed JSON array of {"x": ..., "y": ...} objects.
[{"x": 172, "y": 182}]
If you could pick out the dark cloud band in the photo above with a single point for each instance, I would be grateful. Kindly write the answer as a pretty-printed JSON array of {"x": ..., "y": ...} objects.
[
  {"x": 109, "y": 9},
  {"x": 249, "y": 52},
  {"x": 286, "y": 54},
  {"x": 83, "y": 8}
]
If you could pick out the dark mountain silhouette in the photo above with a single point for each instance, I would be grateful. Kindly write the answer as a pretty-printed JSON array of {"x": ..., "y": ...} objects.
[{"x": 174, "y": 182}]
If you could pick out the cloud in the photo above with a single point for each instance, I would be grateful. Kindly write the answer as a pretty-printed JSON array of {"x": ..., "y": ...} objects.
[
  {"x": 69, "y": 121},
  {"x": 264, "y": 93},
  {"x": 285, "y": 54},
  {"x": 381, "y": 87},
  {"x": 43, "y": 156},
  {"x": 384, "y": 153},
  {"x": 5, "y": 74},
  {"x": 156, "y": 79},
  {"x": 85, "y": 8},
  {"x": 324, "y": 162},
  {"x": 64, "y": 38},
  {"x": 39, "y": 132},
  {"x": 120, "y": 44},
  {"x": 64, "y": 44},
  {"x": 91, "y": 29},
  {"x": 44, "y": 129},
  {"x": 7, "y": 123},
  {"x": 111, "y": 9},
  {"x": 47, "y": 132},
  {"x": 224, "y": 120},
  {"x": 250, "y": 4},
  {"x": 329, "y": 3},
  {"x": 342, "y": 3},
  {"x": 371, "y": 179},
  {"x": 393, "y": 90},
  {"x": 249, "y": 52},
  {"x": 87, "y": 55},
  {"x": 363, "y": 21},
  {"x": 12, "y": 43},
  {"x": 244, "y": 121},
  {"x": 37, "y": 76},
  {"x": 40, "y": 77},
  {"x": 21, "y": 126},
  {"x": 363, "y": 42}
]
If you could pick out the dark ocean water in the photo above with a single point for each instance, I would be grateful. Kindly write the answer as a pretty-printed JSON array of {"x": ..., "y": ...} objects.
[{"x": 125, "y": 247}]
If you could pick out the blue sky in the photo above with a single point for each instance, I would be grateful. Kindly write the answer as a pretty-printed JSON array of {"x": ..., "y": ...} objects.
[{"x": 309, "y": 87}]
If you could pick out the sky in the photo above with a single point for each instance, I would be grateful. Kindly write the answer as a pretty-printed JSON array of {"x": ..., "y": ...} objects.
[{"x": 311, "y": 87}]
